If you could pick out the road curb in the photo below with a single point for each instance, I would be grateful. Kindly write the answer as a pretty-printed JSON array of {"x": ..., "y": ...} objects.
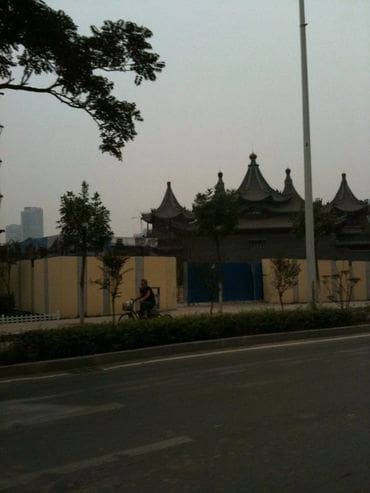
[{"x": 96, "y": 360}]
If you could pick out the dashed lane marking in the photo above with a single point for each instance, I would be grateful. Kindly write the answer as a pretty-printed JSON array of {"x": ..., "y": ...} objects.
[{"x": 72, "y": 467}]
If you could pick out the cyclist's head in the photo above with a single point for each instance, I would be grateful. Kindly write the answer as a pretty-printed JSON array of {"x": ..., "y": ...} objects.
[{"x": 144, "y": 283}]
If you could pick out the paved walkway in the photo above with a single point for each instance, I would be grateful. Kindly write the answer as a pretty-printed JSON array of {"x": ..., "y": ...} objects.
[{"x": 180, "y": 311}]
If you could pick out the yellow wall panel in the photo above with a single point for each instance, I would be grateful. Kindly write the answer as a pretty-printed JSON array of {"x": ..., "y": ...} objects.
[
  {"x": 63, "y": 286},
  {"x": 360, "y": 289},
  {"x": 25, "y": 280},
  {"x": 39, "y": 286},
  {"x": 94, "y": 299},
  {"x": 161, "y": 273}
]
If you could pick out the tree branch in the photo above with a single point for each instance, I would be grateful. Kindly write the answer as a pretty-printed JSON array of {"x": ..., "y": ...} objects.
[
  {"x": 64, "y": 99},
  {"x": 21, "y": 87}
]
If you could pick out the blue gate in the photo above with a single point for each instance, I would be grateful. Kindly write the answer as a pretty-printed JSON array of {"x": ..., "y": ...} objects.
[{"x": 241, "y": 281}]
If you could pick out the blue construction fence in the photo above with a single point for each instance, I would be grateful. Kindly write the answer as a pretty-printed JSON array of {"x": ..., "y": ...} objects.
[{"x": 241, "y": 281}]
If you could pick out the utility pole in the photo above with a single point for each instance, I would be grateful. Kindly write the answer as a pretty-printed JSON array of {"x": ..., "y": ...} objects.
[{"x": 309, "y": 220}]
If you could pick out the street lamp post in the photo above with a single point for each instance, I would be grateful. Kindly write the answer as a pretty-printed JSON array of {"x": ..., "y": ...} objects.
[
  {"x": 1, "y": 195},
  {"x": 309, "y": 220}
]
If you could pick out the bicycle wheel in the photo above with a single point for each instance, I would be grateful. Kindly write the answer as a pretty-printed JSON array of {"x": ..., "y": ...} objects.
[
  {"x": 124, "y": 317},
  {"x": 165, "y": 315}
]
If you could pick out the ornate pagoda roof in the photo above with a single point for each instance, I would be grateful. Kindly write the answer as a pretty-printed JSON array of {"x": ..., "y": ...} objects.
[
  {"x": 254, "y": 187},
  {"x": 344, "y": 200},
  {"x": 169, "y": 208},
  {"x": 295, "y": 201}
]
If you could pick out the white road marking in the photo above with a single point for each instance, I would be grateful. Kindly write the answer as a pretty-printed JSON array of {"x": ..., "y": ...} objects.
[
  {"x": 16, "y": 414},
  {"x": 363, "y": 350},
  {"x": 235, "y": 350},
  {"x": 24, "y": 479},
  {"x": 156, "y": 446},
  {"x": 36, "y": 377}
]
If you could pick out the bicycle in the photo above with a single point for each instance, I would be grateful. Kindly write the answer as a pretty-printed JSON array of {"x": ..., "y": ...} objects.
[{"x": 131, "y": 314}]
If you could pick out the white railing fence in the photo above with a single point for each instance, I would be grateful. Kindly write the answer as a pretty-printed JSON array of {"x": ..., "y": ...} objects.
[{"x": 38, "y": 317}]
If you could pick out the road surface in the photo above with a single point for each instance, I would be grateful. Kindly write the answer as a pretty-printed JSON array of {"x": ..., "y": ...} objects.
[{"x": 290, "y": 417}]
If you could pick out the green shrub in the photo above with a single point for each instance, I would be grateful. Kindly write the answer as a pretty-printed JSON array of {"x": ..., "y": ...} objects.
[{"x": 83, "y": 340}]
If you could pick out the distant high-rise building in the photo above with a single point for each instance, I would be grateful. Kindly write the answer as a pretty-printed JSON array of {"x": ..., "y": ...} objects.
[
  {"x": 13, "y": 232},
  {"x": 32, "y": 222}
]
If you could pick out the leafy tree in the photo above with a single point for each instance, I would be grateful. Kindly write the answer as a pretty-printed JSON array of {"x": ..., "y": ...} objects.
[
  {"x": 286, "y": 272},
  {"x": 112, "y": 279},
  {"x": 206, "y": 275},
  {"x": 216, "y": 215},
  {"x": 324, "y": 221},
  {"x": 84, "y": 226},
  {"x": 42, "y": 52}
]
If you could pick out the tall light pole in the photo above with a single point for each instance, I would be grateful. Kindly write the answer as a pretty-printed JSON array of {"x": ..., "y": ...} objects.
[
  {"x": 1, "y": 195},
  {"x": 309, "y": 220}
]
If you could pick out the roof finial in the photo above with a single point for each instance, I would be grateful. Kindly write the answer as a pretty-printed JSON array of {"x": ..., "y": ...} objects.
[
  {"x": 344, "y": 176},
  {"x": 169, "y": 184},
  {"x": 220, "y": 186},
  {"x": 287, "y": 171},
  {"x": 253, "y": 157}
]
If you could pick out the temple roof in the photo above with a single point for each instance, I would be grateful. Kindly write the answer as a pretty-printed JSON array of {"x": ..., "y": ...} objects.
[
  {"x": 254, "y": 188},
  {"x": 344, "y": 199},
  {"x": 295, "y": 201},
  {"x": 169, "y": 208}
]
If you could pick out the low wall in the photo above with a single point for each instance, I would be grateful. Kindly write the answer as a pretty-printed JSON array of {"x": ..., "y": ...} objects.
[
  {"x": 299, "y": 294},
  {"x": 52, "y": 284}
]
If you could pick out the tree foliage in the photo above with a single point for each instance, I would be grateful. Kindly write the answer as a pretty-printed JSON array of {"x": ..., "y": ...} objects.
[
  {"x": 84, "y": 221},
  {"x": 216, "y": 213},
  {"x": 324, "y": 221},
  {"x": 42, "y": 52},
  {"x": 286, "y": 272},
  {"x": 216, "y": 216},
  {"x": 84, "y": 225}
]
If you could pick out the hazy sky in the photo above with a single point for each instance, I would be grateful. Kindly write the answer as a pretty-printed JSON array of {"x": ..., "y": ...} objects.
[{"x": 231, "y": 85}]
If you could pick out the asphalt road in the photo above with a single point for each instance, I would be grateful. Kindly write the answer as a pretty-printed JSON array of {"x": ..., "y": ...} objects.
[{"x": 293, "y": 417}]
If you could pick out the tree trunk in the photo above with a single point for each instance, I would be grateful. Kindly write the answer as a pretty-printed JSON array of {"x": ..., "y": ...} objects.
[
  {"x": 281, "y": 301},
  {"x": 211, "y": 308},
  {"x": 113, "y": 310},
  {"x": 9, "y": 267},
  {"x": 219, "y": 276},
  {"x": 220, "y": 296}
]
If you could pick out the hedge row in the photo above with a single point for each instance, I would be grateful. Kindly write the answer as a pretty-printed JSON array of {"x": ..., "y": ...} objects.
[{"x": 37, "y": 345}]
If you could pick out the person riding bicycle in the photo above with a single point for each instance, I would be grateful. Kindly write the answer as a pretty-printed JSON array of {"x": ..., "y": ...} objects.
[{"x": 146, "y": 298}]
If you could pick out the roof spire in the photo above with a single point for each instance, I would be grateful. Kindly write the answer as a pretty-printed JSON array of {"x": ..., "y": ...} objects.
[
  {"x": 254, "y": 188},
  {"x": 220, "y": 185},
  {"x": 345, "y": 200},
  {"x": 290, "y": 191},
  {"x": 253, "y": 158},
  {"x": 168, "y": 209}
]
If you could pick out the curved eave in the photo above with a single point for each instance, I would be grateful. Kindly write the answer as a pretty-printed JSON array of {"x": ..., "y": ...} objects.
[
  {"x": 345, "y": 207},
  {"x": 259, "y": 196},
  {"x": 158, "y": 215}
]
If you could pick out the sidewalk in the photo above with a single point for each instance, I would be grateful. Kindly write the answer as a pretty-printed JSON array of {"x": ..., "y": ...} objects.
[{"x": 181, "y": 311}]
